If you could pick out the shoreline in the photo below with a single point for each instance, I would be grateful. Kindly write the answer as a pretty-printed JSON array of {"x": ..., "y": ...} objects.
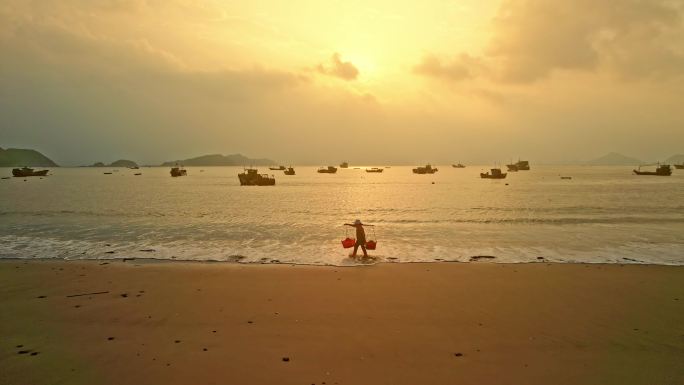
[
  {"x": 371, "y": 262},
  {"x": 388, "y": 323}
]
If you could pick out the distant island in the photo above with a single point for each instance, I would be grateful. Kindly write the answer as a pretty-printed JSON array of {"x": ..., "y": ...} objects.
[
  {"x": 118, "y": 163},
  {"x": 614, "y": 159},
  {"x": 17, "y": 157},
  {"x": 221, "y": 160}
]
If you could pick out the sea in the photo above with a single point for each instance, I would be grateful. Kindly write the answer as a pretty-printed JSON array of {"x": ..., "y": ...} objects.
[{"x": 601, "y": 215}]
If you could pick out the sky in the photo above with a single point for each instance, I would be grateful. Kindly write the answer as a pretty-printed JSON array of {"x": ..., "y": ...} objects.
[{"x": 317, "y": 82}]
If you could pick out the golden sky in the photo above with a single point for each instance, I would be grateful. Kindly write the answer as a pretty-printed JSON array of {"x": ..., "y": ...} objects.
[{"x": 320, "y": 81}]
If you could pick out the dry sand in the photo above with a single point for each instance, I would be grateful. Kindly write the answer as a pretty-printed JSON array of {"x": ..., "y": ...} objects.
[{"x": 447, "y": 323}]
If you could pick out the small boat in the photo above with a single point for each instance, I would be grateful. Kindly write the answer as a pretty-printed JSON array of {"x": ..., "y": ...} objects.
[
  {"x": 662, "y": 170},
  {"x": 327, "y": 170},
  {"x": 26, "y": 171},
  {"x": 289, "y": 171},
  {"x": 374, "y": 169},
  {"x": 566, "y": 177},
  {"x": 428, "y": 169},
  {"x": 107, "y": 173},
  {"x": 459, "y": 165},
  {"x": 344, "y": 165},
  {"x": 521, "y": 165},
  {"x": 134, "y": 168},
  {"x": 279, "y": 168},
  {"x": 5, "y": 177},
  {"x": 679, "y": 166},
  {"x": 251, "y": 177},
  {"x": 178, "y": 171},
  {"x": 495, "y": 174},
  {"x": 513, "y": 167},
  {"x": 137, "y": 173}
]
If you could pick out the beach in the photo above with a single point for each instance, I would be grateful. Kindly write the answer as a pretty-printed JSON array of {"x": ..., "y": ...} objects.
[{"x": 143, "y": 322}]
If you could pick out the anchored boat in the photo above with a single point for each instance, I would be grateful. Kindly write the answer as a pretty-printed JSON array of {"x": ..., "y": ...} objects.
[
  {"x": 662, "y": 170},
  {"x": 26, "y": 171},
  {"x": 327, "y": 170},
  {"x": 679, "y": 166},
  {"x": 459, "y": 165},
  {"x": 495, "y": 174},
  {"x": 289, "y": 171},
  {"x": 428, "y": 169},
  {"x": 251, "y": 177},
  {"x": 279, "y": 168},
  {"x": 344, "y": 165},
  {"x": 521, "y": 165},
  {"x": 374, "y": 169},
  {"x": 178, "y": 171}
]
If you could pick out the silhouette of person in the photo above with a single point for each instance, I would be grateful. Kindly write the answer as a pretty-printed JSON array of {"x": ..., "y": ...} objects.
[{"x": 360, "y": 238}]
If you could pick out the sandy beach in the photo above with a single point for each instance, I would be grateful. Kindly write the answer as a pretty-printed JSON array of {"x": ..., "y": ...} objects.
[{"x": 133, "y": 322}]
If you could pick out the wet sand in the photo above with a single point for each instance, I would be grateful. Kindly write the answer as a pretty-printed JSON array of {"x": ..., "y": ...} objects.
[{"x": 90, "y": 322}]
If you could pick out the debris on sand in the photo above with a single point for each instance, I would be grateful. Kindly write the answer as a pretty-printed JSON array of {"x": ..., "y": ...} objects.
[{"x": 476, "y": 258}]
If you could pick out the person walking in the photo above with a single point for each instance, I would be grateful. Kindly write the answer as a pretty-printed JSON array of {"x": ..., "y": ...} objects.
[{"x": 360, "y": 237}]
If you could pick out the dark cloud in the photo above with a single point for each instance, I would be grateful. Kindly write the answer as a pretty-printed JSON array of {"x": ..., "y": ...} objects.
[{"x": 338, "y": 68}]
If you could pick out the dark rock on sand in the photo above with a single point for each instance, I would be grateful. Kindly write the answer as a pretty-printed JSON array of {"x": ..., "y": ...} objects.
[{"x": 479, "y": 257}]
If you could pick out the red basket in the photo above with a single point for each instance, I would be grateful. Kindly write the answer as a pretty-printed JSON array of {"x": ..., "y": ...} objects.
[
  {"x": 348, "y": 242},
  {"x": 370, "y": 245}
]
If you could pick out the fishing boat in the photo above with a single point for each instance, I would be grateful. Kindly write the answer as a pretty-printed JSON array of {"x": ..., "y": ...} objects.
[
  {"x": 662, "y": 170},
  {"x": 428, "y": 169},
  {"x": 279, "y": 168},
  {"x": 495, "y": 174},
  {"x": 344, "y": 165},
  {"x": 459, "y": 165},
  {"x": 513, "y": 167},
  {"x": 679, "y": 166},
  {"x": 374, "y": 169},
  {"x": 251, "y": 177},
  {"x": 178, "y": 171},
  {"x": 26, "y": 171},
  {"x": 521, "y": 165},
  {"x": 327, "y": 170},
  {"x": 289, "y": 171}
]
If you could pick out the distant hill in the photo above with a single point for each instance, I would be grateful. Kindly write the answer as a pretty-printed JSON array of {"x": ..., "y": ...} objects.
[
  {"x": 221, "y": 160},
  {"x": 118, "y": 163},
  {"x": 17, "y": 157},
  {"x": 614, "y": 159},
  {"x": 123, "y": 163},
  {"x": 675, "y": 159}
]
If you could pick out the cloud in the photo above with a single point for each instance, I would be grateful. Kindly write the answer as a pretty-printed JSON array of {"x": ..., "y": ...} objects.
[
  {"x": 338, "y": 68},
  {"x": 532, "y": 39},
  {"x": 462, "y": 67}
]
